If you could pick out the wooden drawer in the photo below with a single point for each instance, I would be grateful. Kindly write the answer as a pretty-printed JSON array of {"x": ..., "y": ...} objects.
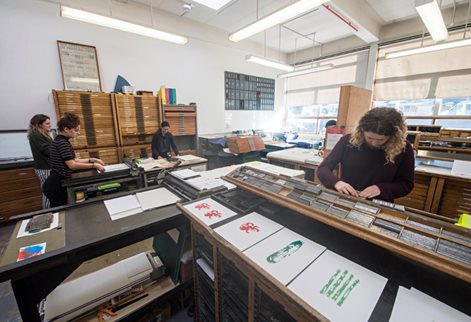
[
  {"x": 19, "y": 206},
  {"x": 108, "y": 155},
  {"x": 455, "y": 199},
  {"x": 179, "y": 108},
  {"x": 8, "y": 176},
  {"x": 419, "y": 195},
  {"x": 26, "y": 192}
]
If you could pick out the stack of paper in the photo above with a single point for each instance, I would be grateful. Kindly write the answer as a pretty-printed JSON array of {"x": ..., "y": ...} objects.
[
  {"x": 188, "y": 157},
  {"x": 156, "y": 198},
  {"x": 202, "y": 183},
  {"x": 413, "y": 305},
  {"x": 339, "y": 289},
  {"x": 185, "y": 174},
  {"x": 142, "y": 201},
  {"x": 123, "y": 207},
  {"x": 116, "y": 167}
]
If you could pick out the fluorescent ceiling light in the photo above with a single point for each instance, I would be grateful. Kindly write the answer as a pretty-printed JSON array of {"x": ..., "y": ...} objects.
[
  {"x": 427, "y": 49},
  {"x": 306, "y": 71},
  {"x": 120, "y": 25},
  {"x": 276, "y": 18},
  {"x": 432, "y": 17},
  {"x": 213, "y": 4},
  {"x": 269, "y": 63}
]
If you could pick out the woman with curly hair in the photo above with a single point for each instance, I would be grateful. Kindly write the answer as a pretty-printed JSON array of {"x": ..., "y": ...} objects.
[
  {"x": 39, "y": 141},
  {"x": 375, "y": 160}
]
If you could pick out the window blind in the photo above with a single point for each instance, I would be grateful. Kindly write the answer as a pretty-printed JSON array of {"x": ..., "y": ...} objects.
[{"x": 440, "y": 74}]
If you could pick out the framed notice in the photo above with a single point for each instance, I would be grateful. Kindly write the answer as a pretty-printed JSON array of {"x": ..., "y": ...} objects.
[
  {"x": 249, "y": 93},
  {"x": 79, "y": 65}
]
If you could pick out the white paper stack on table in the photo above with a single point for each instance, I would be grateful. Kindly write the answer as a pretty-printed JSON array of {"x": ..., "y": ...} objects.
[
  {"x": 209, "y": 212},
  {"x": 188, "y": 157},
  {"x": 185, "y": 174},
  {"x": 133, "y": 204},
  {"x": 413, "y": 305},
  {"x": 116, "y": 167},
  {"x": 339, "y": 289}
]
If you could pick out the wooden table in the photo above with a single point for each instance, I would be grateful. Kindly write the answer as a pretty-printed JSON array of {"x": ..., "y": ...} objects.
[{"x": 298, "y": 159}]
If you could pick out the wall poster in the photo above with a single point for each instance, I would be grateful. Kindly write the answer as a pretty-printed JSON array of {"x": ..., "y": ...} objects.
[{"x": 79, "y": 65}]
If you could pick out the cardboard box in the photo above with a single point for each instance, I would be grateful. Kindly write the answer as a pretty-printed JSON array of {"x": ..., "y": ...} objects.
[{"x": 244, "y": 144}]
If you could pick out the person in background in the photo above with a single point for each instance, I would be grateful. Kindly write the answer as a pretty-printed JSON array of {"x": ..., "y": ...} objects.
[
  {"x": 39, "y": 142},
  {"x": 63, "y": 161},
  {"x": 330, "y": 124},
  {"x": 375, "y": 160},
  {"x": 162, "y": 141}
]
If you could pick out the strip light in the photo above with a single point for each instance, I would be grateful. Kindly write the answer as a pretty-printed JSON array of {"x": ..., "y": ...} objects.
[
  {"x": 432, "y": 17},
  {"x": 269, "y": 63},
  {"x": 306, "y": 71},
  {"x": 276, "y": 18},
  {"x": 121, "y": 25},
  {"x": 427, "y": 49}
]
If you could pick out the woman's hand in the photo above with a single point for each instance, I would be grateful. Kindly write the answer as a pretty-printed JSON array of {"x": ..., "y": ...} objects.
[
  {"x": 370, "y": 192},
  {"x": 95, "y": 160},
  {"x": 345, "y": 188},
  {"x": 98, "y": 166}
]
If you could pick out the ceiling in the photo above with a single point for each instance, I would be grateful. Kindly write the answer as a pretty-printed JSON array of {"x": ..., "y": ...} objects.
[{"x": 298, "y": 33}]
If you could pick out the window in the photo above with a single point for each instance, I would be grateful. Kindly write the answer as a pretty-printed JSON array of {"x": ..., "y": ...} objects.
[
  {"x": 447, "y": 112},
  {"x": 312, "y": 99}
]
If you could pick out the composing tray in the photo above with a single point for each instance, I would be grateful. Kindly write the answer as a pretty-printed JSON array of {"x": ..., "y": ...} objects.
[{"x": 430, "y": 241}]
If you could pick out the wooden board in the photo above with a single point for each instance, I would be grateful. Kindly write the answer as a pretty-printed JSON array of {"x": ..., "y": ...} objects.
[{"x": 353, "y": 103}]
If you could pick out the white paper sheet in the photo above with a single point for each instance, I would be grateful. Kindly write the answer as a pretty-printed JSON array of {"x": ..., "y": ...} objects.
[
  {"x": 461, "y": 168},
  {"x": 185, "y": 174},
  {"x": 413, "y": 305},
  {"x": 156, "y": 198},
  {"x": 116, "y": 167},
  {"x": 202, "y": 183},
  {"x": 339, "y": 289},
  {"x": 209, "y": 211},
  {"x": 248, "y": 230},
  {"x": 188, "y": 157},
  {"x": 123, "y": 207},
  {"x": 150, "y": 164},
  {"x": 22, "y": 231},
  {"x": 284, "y": 254},
  {"x": 206, "y": 268}
]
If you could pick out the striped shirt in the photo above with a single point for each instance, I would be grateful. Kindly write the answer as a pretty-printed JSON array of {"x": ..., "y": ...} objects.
[{"x": 60, "y": 151}]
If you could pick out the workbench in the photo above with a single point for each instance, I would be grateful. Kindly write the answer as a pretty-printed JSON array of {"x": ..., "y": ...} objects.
[{"x": 89, "y": 232}]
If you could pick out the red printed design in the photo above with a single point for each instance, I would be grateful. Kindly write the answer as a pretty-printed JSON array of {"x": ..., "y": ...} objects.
[
  {"x": 203, "y": 205},
  {"x": 213, "y": 213},
  {"x": 248, "y": 227}
]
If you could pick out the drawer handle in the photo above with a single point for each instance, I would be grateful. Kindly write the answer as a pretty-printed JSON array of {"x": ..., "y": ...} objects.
[{"x": 22, "y": 173}]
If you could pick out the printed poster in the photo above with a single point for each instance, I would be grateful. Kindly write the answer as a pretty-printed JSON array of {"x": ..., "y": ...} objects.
[
  {"x": 248, "y": 230},
  {"x": 209, "y": 211},
  {"x": 339, "y": 289},
  {"x": 284, "y": 254}
]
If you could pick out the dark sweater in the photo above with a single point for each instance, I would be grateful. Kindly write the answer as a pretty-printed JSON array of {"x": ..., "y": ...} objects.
[
  {"x": 365, "y": 166},
  {"x": 161, "y": 144},
  {"x": 40, "y": 149}
]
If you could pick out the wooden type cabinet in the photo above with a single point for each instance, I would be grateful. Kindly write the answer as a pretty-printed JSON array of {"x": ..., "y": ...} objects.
[
  {"x": 183, "y": 125},
  {"x": 445, "y": 196},
  {"x": 108, "y": 155},
  {"x": 139, "y": 116},
  {"x": 20, "y": 192},
  {"x": 96, "y": 113}
]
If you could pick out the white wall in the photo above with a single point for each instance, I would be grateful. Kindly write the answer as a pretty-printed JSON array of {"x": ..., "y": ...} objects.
[{"x": 29, "y": 65}]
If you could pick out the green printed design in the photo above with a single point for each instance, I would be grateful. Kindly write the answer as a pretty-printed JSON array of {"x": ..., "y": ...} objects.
[
  {"x": 290, "y": 249},
  {"x": 344, "y": 286},
  {"x": 326, "y": 286},
  {"x": 347, "y": 293},
  {"x": 338, "y": 287},
  {"x": 337, "y": 283}
]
